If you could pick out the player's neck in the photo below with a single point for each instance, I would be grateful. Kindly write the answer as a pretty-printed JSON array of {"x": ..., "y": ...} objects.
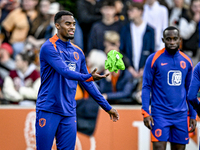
[
  {"x": 62, "y": 38},
  {"x": 172, "y": 51}
]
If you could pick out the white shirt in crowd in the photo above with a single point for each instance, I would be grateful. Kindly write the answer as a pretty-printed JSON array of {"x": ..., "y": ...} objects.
[
  {"x": 137, "y": 33},
  {"x": 157, "y": 17},
  {"x": 175, "y": 16}
]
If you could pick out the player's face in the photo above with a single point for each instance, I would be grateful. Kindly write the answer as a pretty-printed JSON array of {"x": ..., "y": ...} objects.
[
  {"x": 66, "y": 27},
  {"x": 171, "y": 39}
]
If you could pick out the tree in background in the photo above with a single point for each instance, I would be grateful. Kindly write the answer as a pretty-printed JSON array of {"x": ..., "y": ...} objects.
[{"x": 69, "y": 5}]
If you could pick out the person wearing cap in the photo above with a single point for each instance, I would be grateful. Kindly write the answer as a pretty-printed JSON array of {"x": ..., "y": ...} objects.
[
  {"x": 17, "y": 23},
  {"x": 6, "y": 61},
  {"x": 6, "y": 64}
]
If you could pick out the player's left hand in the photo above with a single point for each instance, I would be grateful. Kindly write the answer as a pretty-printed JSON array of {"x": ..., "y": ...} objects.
[
  {"x": 97, "y": 76},
  {"x": 193, "y": 124},
  {"x": 113, "y": 115}
]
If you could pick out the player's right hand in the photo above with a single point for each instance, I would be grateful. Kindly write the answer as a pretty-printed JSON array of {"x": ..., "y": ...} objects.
[
  {"x": 97, "y": 76},
  {"x": 148, "y": 121}
]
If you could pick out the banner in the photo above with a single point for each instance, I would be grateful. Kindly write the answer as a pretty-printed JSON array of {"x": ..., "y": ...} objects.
[{"x": 17, "y": 131}]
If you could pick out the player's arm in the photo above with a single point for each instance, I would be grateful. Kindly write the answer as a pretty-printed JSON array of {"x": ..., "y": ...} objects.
[
  {"x": 146, "y": 90},
  {"x": 192, "y": 113},
  {"x": 97, "y": 96},
  {"x": 53, "y": 58},
  {"x": 187, "y": 84},
  {"x": 194, "y": 88}
]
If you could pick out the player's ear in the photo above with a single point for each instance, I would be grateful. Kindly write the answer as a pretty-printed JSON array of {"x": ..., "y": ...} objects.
[
  {"x": 163, "y": 40},
  {"x": 57, "y": 26}
]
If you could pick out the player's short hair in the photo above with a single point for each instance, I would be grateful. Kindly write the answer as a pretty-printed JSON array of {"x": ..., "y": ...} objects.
[
  {"x": 60, "y": 14},
  {"x": 170, "y": 28},
  {"x": 137, "y": 5},
  {"x": 111, "y": 36}
]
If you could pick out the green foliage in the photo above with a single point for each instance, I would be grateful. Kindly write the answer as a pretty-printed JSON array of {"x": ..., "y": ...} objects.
[{"x": 69, "y": 5}]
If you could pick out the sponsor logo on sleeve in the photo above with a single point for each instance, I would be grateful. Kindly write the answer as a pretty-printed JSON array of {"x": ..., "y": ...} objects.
[{"x": 71, "y": 65}]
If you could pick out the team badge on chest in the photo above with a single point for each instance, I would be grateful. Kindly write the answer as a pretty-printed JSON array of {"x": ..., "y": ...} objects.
[
  {"x": 183, "y": 64},
  {"x": 76, "y": 55}
]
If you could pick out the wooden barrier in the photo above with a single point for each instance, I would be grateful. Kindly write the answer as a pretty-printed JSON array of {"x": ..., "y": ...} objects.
[{"x": 17, "y": 131}]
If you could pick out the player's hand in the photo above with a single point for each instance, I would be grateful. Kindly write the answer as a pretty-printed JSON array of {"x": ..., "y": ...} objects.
[
  {"x": 148, "y": 121},
  {"x": 97, "y": 76},
  {"x": 113, "y": 115},
  {"x": 193, "y": 124}
]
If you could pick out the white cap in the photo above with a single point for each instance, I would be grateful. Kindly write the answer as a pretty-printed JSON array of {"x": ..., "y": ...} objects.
[{"x": 54, "y": 8}]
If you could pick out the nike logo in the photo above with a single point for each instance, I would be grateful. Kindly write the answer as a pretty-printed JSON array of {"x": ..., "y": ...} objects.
[
  {"x": 186, "y": 138},
  {"x": 162, "y": 64}
]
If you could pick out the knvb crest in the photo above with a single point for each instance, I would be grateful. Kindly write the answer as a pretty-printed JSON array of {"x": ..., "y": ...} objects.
[
  {"x": 76, "y": 55},
  {"x": 174, "y": 78}
]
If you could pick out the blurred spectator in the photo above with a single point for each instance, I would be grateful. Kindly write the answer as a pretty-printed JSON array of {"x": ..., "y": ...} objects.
[
  {"x": 137, "y": 43},
  {"x": 6, "y": 65},
  {"x": 118, "y": 87},
  {"x": 36, "y": 35},
  {"x": 6, "y": 6},
  {"x": 170, "y": 3},
  {"x": 189, "y": 31},
  {"x": 87, "y": 108},
  {"x": 112, "y": 42},
  {"x": 162, "y": 2},
  {"x": 107, "y": 23},
  {"x": 176, "y": 12},
  {"x": 51, "y": 29},
  {"x": 6, "y": 62},
  {"x": 120, "y": 11},
  {"x": 22, "y": 85},
  {"x": 17, "y": 24},
  {"x": 96, "y": 59},
  {"x": 137, "y": 40},
  {"x": 87, "y": 13},
  {"x": 156, "y": 15}
]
